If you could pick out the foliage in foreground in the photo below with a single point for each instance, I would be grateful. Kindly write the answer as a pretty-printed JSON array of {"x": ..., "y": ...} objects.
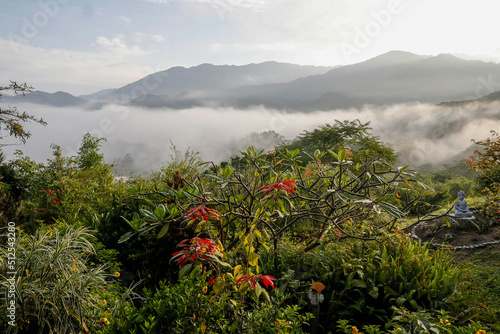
[
  {"x": 366, "y": 280},
  {"x": 56, "y": 290},
  {"x": 341, "y": 205}
]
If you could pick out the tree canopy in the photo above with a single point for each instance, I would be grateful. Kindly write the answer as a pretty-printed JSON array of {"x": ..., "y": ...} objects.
[{"x": 352, "y": 136}]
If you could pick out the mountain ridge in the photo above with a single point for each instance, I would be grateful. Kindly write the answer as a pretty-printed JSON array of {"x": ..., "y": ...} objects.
[{"x": 392, "y": 77}]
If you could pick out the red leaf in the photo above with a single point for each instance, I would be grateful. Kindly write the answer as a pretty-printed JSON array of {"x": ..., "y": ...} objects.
[{"x": 268, "y": 280}]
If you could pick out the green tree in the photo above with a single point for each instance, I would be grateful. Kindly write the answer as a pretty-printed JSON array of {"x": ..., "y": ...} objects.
[
  {"x": 11, "y": 120},
  {"x": 352, "y": 136}
]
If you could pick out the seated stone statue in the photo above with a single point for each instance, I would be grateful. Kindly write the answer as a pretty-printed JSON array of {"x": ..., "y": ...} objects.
[{"x": 461, "y": 206}]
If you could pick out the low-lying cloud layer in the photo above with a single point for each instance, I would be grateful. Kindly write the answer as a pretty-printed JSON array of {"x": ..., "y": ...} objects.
[{"x": 420, "y": 133}]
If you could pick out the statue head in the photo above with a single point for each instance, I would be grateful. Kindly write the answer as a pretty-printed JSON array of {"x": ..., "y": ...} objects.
[{"x": 461, "y": 194}]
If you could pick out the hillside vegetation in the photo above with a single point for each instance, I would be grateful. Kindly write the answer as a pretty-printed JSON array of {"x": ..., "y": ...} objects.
[{"x": 196, "y": 247}]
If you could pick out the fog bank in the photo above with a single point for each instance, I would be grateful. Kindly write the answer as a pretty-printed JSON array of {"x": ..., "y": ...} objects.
[{"x": 420, "y": 133}]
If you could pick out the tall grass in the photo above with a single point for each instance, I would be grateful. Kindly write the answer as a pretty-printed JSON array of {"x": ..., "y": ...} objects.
[{"x": 56, "y": 290}]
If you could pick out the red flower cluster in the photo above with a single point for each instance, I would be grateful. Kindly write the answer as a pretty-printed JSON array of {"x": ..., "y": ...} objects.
[
  {"x": 48, "y": 192},
  {"x": 195, "y": 249},
  {"x": 53, "y": 194},
  {"x": 285, "y": 184},
  {"x": 266, "y": 279},
  {"x": 202, "y": 213}
]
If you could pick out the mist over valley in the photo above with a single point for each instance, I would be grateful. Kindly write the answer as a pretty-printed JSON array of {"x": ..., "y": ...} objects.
[
  {"x": 419, "y": 133},
  {"x": 426, "y": 108}
]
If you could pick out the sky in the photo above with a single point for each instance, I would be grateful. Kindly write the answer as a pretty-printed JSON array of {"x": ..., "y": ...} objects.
[{"x": 83, "y": 46}]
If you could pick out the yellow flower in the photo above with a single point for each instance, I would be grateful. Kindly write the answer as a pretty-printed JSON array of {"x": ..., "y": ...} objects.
[
  {"x": 481, "y": 331},
  {"x": 203, "y": 327},
  {"x": 117, "y": 274},
  {"x": 105, "y": 320},
  {"x": 205, "y": 289},
  {"x": 354, "y": 330}
]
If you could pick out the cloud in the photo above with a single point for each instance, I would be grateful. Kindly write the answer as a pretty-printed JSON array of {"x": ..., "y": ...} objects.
[
  {"x": 113, "y": 64},
  {"x": 125, "y": 19},
  {"x": 115, "y": 42},
  {"x": 420, "y": 133},
  {"x": 141, "y": 37}
]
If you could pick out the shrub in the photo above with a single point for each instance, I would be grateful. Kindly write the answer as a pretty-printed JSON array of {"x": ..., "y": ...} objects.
[
  {"x": 364, "y": 280},
  {"x": 55, "y": 288},
  {"x": 186, "y": 307}
]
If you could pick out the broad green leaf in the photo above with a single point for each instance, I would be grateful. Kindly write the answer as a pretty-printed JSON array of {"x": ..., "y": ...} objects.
[
  {"x": 342, "y": 155},
  {"x": 148, "y": 214},
  {"x": 335, "y": 156},
  {"x": 392, "y": 210},
  {"x": 164, "y": 230},
  {"x": 160, "y": 211},
  {"x": 126, "y": 236},
  {"x": 244, "y": 287},
  {"x": 134, "y": 223},
  {"x": 233, "y": 326},
  {"x": 359, "y": 284},
  {"x": 257, "y": 290},
  {"x": 173, "y": 211},
  {"x": 185, "y": 270},
  {"x": 374, "y": 292},
  {"x": 266, "y": 295}
]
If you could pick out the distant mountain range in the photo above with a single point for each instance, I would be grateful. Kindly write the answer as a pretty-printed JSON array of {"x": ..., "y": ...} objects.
[
  {"x": 488, "y": 98},
  {"x": 394, "y": 77},
  {"x": 57, "y": 99}
]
